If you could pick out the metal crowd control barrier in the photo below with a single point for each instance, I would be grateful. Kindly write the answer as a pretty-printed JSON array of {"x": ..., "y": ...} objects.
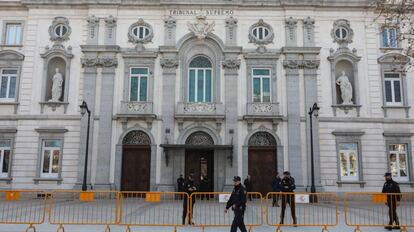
[
  {"x": 302, "y": 209},
  {"x": 23, "y": 207},
  {"x": 83, "y": 208},
  {"x": 207, "y": 210},
  {"x": 375, "y": 210},
  {"x": 152, "y": 209}
]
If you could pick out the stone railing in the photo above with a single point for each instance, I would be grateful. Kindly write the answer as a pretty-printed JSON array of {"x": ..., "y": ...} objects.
[
  {"x": 136, "y": 107},
  {"x": 200, "y": 108},
  {"x": 259, "y": 108}
]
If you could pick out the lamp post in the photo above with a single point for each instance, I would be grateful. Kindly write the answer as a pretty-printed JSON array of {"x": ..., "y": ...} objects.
[
  {"x": 84, "y": 108},
  {"x": 313, "y": 112}
]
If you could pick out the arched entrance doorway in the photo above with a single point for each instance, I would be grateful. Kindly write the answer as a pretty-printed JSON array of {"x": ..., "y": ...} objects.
[
  {"x": 136, "y": 162},
  {"x": 199, "y": 160},
  {"x": 262, "y": 161}
]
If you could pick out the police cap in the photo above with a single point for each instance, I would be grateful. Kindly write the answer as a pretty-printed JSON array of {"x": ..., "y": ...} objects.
[{"x": 236, "y": 178}]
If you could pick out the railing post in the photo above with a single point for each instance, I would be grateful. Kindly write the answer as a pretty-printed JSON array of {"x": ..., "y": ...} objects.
[
  {"x": 60, "y": 228},
  {"x": 31, "y": 227}
]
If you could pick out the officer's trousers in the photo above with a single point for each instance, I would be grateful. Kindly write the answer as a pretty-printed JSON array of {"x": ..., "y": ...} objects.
[
  {"x": 288, "y": 199},
  {"x": 238, "y": 221},
  {"x": 185, "y": 210},
  {"x": 392, "y": 212}
]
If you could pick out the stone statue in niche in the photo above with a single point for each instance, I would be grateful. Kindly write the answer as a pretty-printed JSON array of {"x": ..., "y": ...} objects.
[
  {"x": 346, "y": 89},
  {"x": 57, "y": 84}
]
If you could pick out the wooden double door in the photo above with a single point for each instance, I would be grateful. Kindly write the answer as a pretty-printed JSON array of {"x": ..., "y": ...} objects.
[
  {"x": 199, "y": 163},
  {"x": 136, "y": 168},
  {"x": 262, "y": 168}
]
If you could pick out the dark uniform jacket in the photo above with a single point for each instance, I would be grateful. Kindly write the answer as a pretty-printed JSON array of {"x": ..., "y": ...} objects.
[
  {"x": 189, "y": 187},
  {"x": 248, "y": 185},
  {"x": 237, "y": 198},
  {"x": 390, "y": 186},
  {"x": 180, "y": 183},
  {"x": 288, "y": 184},
  {"x": 276, "y": 184}
]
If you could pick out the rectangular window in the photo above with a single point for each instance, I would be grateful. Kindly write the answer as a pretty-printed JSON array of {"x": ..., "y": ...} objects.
[
  {"x": 139, "y": 84},
  {"x": 389, "y": 38},
  {"x": 51, "y": 150},
  {"x": 398, "y": 161},
  {"x": 392, "y": 88},
  {"x": 8, "y": 79},
  {"x": 199, "y": 85},
  {"x": 261, "y": 85},
  {"x": 13, "y": 34},
  {"x": 348, "y": 156},
  {"x": 5, "y": 149}
]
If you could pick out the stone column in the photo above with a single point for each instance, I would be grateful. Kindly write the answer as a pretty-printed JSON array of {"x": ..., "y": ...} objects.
[
  {"x": 169, "y": 64},
  {"x": 231, "y": 67},
  {"x": 293, "y": 113},
  {"x": 105, "y": 122},
  {"x": 89, "y": 63},
  {"x": 311, "y": 96}
]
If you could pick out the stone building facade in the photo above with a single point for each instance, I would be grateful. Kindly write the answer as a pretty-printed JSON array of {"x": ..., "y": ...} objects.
[{"x": 216, "y": 89}]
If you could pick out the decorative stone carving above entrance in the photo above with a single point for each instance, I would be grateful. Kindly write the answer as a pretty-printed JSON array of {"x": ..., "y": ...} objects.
[
  {"x": 199, "y": 138},
  {"x": 136, "y": 137},
  {"x": 262, "y": 139},
  {"x": 201, "y": 28}
]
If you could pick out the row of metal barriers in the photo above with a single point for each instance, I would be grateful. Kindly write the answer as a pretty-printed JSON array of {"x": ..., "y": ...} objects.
[{"x": 176, "y": 209}]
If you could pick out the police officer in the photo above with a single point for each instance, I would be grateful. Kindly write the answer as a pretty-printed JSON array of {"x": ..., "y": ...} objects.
[
  {"x": 287, "y": 186},
  {"x": 390, "y": 186},
  {"x": 276, "y": 188},
  {"x": 180, "y": 183},
  {"x": 248, "y": 185},
  {"x": 237, "y": 202},
  {"x": 189, "y": 187}
]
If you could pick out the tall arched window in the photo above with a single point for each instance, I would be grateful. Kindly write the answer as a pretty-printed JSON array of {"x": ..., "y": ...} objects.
[{"x": 200, "y": 80}]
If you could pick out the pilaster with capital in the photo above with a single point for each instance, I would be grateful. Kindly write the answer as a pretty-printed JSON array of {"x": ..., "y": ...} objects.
[
  {"x": 110, "y": 30},
  {"x": 231, "y": 31},
  {"x": 170, "y": 25},
  {"x": 169, "y": 63},
  {"x": 308, "y": 32},
  {"x": 93, "y": 30},
  {"x": 291, "y": 32}
]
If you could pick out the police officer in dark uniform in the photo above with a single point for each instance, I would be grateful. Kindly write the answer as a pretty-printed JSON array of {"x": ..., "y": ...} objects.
[
  {"x": 237, "y": 202},
  {"x": 390, "y": 186},
  {"x": 180, "y": 183},
  {"x": 189, "y": 187},
  {"x": 287, "y": 186},
  {"x": 276, "y": 187}
]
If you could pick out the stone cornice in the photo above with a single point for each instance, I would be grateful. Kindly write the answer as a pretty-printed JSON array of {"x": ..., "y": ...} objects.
[{"x": 236, "y": 3}]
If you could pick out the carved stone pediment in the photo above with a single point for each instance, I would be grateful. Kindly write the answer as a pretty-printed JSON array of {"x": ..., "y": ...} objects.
[
  {"x": 394, "y": 58},
  {"x": 201, "y": 28},
  {"x": 11, "y": 55},
  {"x": 57, "y": 50}
]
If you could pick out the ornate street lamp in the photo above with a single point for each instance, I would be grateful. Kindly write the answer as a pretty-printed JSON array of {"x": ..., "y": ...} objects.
[
  {"x": 314, "y": 111},
  {"x": 84, "y": 108}
]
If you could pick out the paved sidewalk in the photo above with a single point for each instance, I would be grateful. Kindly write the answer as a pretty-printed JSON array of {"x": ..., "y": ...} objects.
[{"x": 52, "y": 228}]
